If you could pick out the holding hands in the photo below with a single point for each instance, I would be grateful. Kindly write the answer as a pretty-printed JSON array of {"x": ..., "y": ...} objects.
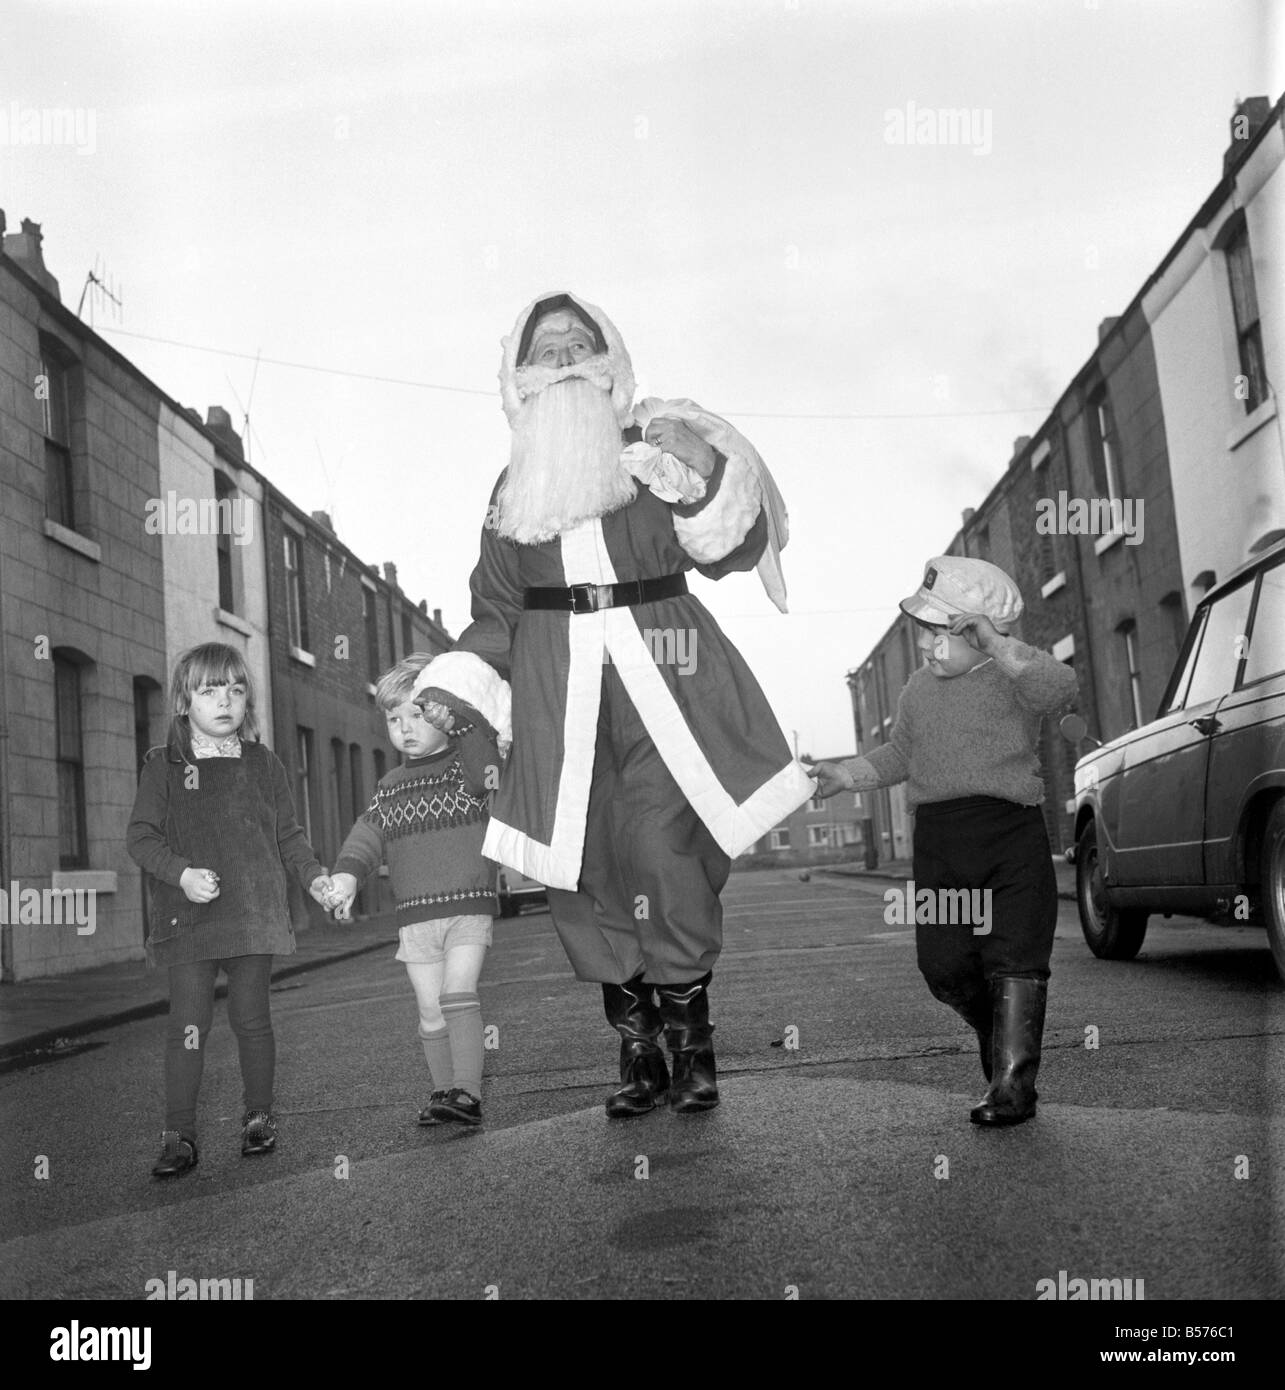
[
  {"x": 831, "y": 778},
  {"x": 339, "y": 896}
]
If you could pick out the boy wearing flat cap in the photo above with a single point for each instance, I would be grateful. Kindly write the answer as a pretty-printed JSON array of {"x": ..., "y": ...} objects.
[{"x": 966, "y": 742}]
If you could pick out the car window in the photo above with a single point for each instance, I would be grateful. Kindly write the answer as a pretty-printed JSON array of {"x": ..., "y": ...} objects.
[
  {"x": 1182, "y": 677},
  {"x": 1267, "y": 643},
  {"x": 1221, "y": 646}
]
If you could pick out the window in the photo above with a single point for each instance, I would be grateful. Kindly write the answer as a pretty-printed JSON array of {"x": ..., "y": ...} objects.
[
  {"x": 1266, "y": 655},
  {"x": 1128, "y": 631},
  {"x": 370, "y": 621},
  {"x": 1171, "y": 607},
  {"x": 297, "y": 611},
  {"x": 779, "y": 838},
  {"x": 337, "y": 759},
  {"x": 303, "y": 780},
  {"x": 1103, "y": 452},
  {"x": 817, "y": 803},
  {"x": 357, "y": 801},
  {"x": 73, "y": 850},
  {"x": 224, "y": 491},
  {"x": 819, "y": 836},
  {"x": 1047, "y": 558},
  {"x": 60, "y": 492},
  {"x": 1244, "y": 305},
  {"x": 1210, "y": 666}
]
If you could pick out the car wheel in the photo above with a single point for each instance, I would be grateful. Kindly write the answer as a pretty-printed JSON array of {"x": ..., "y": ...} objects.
[
  {"x": 1113, "y": 933},
  {"x": 1273, "y": 884}
]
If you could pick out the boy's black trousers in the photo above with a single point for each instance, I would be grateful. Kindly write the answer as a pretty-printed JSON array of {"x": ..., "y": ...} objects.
[{"x": 983, "y": 842}]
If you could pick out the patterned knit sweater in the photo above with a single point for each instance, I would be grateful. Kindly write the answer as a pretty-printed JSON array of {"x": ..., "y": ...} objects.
[
  {"x": 427, "y": 820},
  {"x": 973, "y": 735}
]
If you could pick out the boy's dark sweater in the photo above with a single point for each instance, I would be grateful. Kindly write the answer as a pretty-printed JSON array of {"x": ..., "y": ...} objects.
[
  {"x": 232, "y": 815},
  {"x": 428, "y": 819}
]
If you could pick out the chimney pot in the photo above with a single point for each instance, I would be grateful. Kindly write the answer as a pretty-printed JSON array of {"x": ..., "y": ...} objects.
[
  {"x": 437, "y": 616},
  {"x": 24, "y": 248},
  {"x": 1248, "y": 117},
  {"x": 390, "y": 573}
]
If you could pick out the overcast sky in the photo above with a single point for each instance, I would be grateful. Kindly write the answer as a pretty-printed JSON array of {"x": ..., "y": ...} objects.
[{"x": 378, "y": 189}]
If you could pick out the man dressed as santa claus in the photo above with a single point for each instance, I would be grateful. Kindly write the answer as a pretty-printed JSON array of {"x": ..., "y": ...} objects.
[{"x": 644, "y": 755}]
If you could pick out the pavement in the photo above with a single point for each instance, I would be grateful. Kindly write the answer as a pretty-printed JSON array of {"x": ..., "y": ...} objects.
[{"x": 42, "y": 1015}]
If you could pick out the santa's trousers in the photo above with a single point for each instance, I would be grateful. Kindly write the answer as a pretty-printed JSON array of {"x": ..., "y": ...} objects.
[{"x": 651, "y": 873}]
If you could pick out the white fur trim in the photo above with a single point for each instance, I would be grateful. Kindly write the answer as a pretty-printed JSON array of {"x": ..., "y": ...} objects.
[
  {"x": 622, "y": 371},
  {"x": 477, "y": 683},
  {"x": 723, "y": 523},
  {"x": 557, "y": 864},
  {"x": 735, "y": 826}
]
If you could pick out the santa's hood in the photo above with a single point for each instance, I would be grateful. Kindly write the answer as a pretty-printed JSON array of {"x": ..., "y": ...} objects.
[{"x": 622, "y": 371}]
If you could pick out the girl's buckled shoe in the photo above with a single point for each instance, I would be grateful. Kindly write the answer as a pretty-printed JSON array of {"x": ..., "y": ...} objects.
[
  {"x": 178, "y": 1154},
  {"x": 258, "y": 1133}
]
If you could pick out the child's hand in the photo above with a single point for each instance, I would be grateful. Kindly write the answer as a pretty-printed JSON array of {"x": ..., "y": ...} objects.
[
  {"x": 437, "y": 715},
  {"x": 319, "y": 888},
  {"x": 343, "y": 889},
  {"x": 978, "y": 631},
  {"x": 199, "y": 885},
  {"x": 831, "y": 778}
]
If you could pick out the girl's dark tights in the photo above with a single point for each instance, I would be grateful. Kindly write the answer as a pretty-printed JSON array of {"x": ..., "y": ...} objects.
[{"x": 187, "y": 1034}]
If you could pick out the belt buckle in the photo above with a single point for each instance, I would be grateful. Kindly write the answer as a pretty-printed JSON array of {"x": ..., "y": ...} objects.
[{"x": 589, "y": 598}]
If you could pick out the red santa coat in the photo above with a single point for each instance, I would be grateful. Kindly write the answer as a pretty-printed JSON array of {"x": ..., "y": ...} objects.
[{"x": 708, "y": 718}]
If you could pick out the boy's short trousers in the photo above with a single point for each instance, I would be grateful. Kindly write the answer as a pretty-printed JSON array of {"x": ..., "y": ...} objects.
[{"x": 425, "y": 943}]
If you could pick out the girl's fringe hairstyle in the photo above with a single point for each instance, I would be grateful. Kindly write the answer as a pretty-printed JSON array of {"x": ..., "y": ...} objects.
[
  {"x": 212, "y": 663},
  {"x": 395, "y": 685}
]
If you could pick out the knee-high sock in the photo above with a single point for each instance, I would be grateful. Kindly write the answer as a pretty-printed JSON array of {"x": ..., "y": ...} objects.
[
  {"x": 437, "y": 1053},
  {"x": 463, "y": 1015}
]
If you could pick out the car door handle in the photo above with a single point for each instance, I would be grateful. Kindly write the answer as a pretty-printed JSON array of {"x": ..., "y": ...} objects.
[{"x": 1207, "y": 724}]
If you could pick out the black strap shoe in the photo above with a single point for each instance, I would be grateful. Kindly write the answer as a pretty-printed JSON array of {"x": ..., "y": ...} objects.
[
  {"x": 1019, "y": 1031},
  {"x": 178, "y": 1154},
  {"x": 258, "y": 1133}
]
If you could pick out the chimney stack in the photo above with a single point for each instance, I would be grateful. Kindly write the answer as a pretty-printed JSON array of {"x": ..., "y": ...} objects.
[
  {"x": 1106, "y": 326},
  {"x": 390, "y": 573},
  {"x": 219, "y": 423},
  {"x": 24, "y": 249},
  {"x": 1020, "y": 443},
  {"x": 969, "y": 514},
  {"x": 323, "y": 519},
  {"x": 1247, "y": 119},
  {"x": 437, "y": 616}
]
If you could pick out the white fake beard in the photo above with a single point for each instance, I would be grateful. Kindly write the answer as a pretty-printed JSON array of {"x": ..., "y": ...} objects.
[{"x": 564, "y": 465}]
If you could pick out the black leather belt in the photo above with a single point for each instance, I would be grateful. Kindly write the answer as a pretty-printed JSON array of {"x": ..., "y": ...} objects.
[{"x": 589, "y": 598}]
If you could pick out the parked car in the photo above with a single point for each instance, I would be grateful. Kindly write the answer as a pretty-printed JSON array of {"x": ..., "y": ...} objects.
[
  {"x": 1187, "y": 813},
  {"x": 516, "y": 891}
]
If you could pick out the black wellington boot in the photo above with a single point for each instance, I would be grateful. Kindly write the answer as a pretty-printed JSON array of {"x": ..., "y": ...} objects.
[
  {"x": 685, "y": 1009},
  {"x": 1019, "y": 1031},
  {"x": 632, "y": 1012},
  {"x": 979, "y": 1013}
]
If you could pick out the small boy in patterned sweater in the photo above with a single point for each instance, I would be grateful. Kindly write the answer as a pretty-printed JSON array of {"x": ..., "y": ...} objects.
[
  {"x": 966, "y": 743},
  {"x": 427, "y": 820}
]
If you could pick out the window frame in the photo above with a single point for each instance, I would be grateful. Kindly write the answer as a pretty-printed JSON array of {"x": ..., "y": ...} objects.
[
  {"x": 64, "y": 666},
  {"x": 57, "y": 366},
  {"x": 1243, "y": 292},
  {"x": 296, "y": 594}
]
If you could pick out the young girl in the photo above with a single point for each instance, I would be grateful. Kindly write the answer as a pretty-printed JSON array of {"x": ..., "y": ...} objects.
[{"x": 214, "y": 828}]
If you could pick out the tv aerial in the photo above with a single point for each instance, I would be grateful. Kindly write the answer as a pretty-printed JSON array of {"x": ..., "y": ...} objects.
[{"x": 102, "y": 291}]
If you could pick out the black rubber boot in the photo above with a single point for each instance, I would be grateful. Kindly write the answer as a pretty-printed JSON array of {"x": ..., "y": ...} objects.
[
  {"x": 1019, "y": 1031},
  {"x": 631, "y": 1011},
  {"x": 685, "y": 1010},
  {"x": 979, "y": 1013}
]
